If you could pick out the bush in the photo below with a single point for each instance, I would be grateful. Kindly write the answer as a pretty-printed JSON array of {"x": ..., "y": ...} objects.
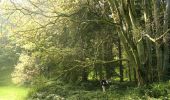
[
  {"x": 118, "y": 91},
  {"x": 25, "y": 70},
  {"x": 157, "y": 90}
]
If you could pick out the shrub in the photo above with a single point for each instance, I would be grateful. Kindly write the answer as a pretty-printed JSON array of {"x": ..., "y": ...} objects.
[
  {"x": 25, "y": 70},
  {"x": 157, "y": 90}
]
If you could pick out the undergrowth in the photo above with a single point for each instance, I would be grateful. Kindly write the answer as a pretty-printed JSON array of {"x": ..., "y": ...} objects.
[{"x": 91, "y": 90}]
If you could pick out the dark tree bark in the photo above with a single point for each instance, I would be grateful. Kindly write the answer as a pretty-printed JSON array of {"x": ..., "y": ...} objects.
[{"x": 120, "y": 62}]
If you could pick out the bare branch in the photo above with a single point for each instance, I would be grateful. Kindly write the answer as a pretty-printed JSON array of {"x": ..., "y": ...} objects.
[{"x": 156, "y": 39}]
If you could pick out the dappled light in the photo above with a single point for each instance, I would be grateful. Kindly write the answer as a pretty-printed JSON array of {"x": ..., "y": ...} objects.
[{"x": 84, "y": 49}]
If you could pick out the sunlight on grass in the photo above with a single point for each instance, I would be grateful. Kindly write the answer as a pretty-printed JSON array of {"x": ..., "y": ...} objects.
[{"x": 13, "y": 93}]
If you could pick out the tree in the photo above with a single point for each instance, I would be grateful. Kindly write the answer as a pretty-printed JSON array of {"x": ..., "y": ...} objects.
[{"x": 137, "y": 24}]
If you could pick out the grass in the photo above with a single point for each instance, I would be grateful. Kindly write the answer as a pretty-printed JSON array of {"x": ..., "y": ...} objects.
[{"x": 13, "y": 93}]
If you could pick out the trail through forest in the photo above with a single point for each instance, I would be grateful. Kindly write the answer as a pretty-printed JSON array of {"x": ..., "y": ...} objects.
[{"x": 13, "y": 93}]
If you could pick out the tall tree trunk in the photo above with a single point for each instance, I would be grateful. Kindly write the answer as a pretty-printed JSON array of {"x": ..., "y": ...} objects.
[
  {"x": 158, "y": 45},
  {"x": 129, "y": 71},
  {"x": 120, "y": 62},
  {"x": 84, "y": 75},
  {"x": 108, "y": 56},
  {"x": 147, "y": 43},
  {"x": 166, "y": 66}
]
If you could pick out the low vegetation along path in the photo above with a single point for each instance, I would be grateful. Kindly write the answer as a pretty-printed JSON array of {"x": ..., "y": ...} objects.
[{"x": 13, "y": 93}]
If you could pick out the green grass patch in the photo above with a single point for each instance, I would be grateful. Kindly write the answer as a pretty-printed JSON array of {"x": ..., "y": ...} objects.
[{"x": 13, "y": 93}]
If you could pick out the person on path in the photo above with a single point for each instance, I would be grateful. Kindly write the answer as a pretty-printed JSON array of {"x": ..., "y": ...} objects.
[{"x": 104, "y": 83}]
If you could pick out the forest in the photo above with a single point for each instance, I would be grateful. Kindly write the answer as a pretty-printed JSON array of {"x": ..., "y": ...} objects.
[{"x": 85, "y": 50}]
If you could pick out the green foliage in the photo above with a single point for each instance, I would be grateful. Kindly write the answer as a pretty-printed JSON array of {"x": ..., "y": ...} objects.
[
  {"x": 25, "y": 70},
  {"x": 74, "y": 40},
  {"x": 8, "y": 58},
  {"x": 118, "y": 91},
  {"x": 156, "y": 90},
  {"x": 39, "y": 83}
]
